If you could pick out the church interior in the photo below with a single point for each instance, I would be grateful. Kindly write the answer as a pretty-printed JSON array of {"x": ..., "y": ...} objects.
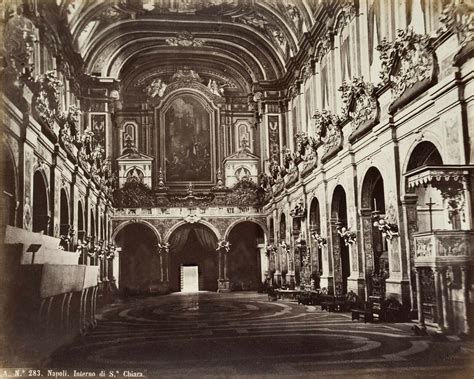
[{"x": 203, "y": 158}]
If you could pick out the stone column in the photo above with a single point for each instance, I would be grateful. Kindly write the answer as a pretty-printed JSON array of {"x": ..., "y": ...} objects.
[
  {"x": 277, "y": 258},
  {"x": 465, "y": 297},
  {"x": 160, "y": 253},
  {"x": 408, "y": 227},
  {"x": 421, "y": 316},
  {"x": 167, "y": 265},
  {"x": 367, "y": 246},
  {"x": 219, "y": 266},
  {"x": 439, "y": 299},
  {"x": 444, "y": 297},
  {"x": 336, "y": 256},
  {"x": 223, "y": 281},
  {"x": 226, "y": 273}
]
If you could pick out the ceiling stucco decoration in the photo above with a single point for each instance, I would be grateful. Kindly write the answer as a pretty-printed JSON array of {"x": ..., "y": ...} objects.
[
  {"x": 185, "y": 39},
  {"x": 184, "y": 78},
  {"x": 256, "y": 38}
]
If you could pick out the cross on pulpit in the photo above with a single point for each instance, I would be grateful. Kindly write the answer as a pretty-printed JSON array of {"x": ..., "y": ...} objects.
[{"x": 430, "y": 210}]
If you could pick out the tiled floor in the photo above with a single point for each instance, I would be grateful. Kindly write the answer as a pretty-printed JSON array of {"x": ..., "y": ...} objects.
[{"x": 243, "y": 334}]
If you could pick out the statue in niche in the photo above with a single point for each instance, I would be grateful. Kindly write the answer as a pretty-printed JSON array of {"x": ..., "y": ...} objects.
[{"x": 135, "y": 175}]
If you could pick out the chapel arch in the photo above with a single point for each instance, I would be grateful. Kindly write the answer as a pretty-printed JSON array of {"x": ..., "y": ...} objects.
[
  {"x": 139, "y": 261},
  {"x": 315, "y": 229},
  {"x": 193, "y": 245},
  {"x": 375, "y": 245},
  {"x": 340, "y": 251},
  {"x": 40, "y": 206},
  {"x": 247, "y": 261}
]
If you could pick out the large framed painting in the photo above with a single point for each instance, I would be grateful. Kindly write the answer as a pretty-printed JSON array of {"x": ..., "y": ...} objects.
[{"x": 187, "y": 140}]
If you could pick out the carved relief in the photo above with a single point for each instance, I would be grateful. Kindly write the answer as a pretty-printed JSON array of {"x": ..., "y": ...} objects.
[
  {"x": 47, "y": 98},
  {"x": 452, "y": 246},
  {"x": 327, "y": 132},
  {"x": 360, "y": 105},
  {"x": 423, "y": 247},
  {"x": 19, "y": 39},
  {"x": 185, "y": 39},
  {"x": 456, "y": 16},
  {"x": 406, "y": 61}
]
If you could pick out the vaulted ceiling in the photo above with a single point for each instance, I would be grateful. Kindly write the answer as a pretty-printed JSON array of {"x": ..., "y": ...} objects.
[{"x": 235, "y": 42}]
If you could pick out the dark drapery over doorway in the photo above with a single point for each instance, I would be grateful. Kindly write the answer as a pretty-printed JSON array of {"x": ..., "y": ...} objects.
[
  {"x": 244, "y": 256},
  {"x": 194, "y": 245},
  {"x": 139, "y": 260}
]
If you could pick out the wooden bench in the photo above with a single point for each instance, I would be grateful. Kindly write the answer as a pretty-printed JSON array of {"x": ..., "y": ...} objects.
[
  {"x": 288, "y": 294},
  {"x": 365, "y": 310},
  {"x": 339, "y": 303},
  {"x": 272, "y": 295},
  {"x": 308, "y": 297}
]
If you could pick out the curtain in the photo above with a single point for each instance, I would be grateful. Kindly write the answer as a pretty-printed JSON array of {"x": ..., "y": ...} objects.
[
  {"x": 346, "y": 58},
  {"x": 373, "y": 23},
  {"x": 206, "y": 238},
  {"x": 179, "y": 238}
]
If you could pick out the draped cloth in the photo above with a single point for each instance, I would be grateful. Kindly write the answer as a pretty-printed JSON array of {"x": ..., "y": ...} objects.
[
  {"x": 206, "y": 237},
  {"x": 373, "y": 28},
  {"x": 178, "y": 239}
]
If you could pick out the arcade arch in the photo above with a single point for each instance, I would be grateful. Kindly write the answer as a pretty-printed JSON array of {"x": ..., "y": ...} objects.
[
  {"x": 139, "y": 267},
  {"x": 247, "y": 260},
  {"x": 340, "y": 251},
  {"x": 40, "y": 203},
  {"x": 193, "y": 245}
]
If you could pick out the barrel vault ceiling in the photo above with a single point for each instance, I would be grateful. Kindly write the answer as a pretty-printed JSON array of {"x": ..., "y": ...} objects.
[{"x": 235, "y": 42}]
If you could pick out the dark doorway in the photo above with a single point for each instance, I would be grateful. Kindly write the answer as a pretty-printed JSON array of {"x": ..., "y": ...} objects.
[
  {"x": 139, "y": 260},
  {"x": 244, "y": 257},
  {"x": 194, "y": 245},
  {"x": 40, "y": 204}
]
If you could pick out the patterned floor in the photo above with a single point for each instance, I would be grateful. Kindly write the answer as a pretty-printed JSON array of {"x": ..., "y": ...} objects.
[{"x": 243, "y": 334}]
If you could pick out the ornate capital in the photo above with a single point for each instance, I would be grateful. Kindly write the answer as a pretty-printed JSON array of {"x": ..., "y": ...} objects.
[{"x": 223, "y": 246}]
